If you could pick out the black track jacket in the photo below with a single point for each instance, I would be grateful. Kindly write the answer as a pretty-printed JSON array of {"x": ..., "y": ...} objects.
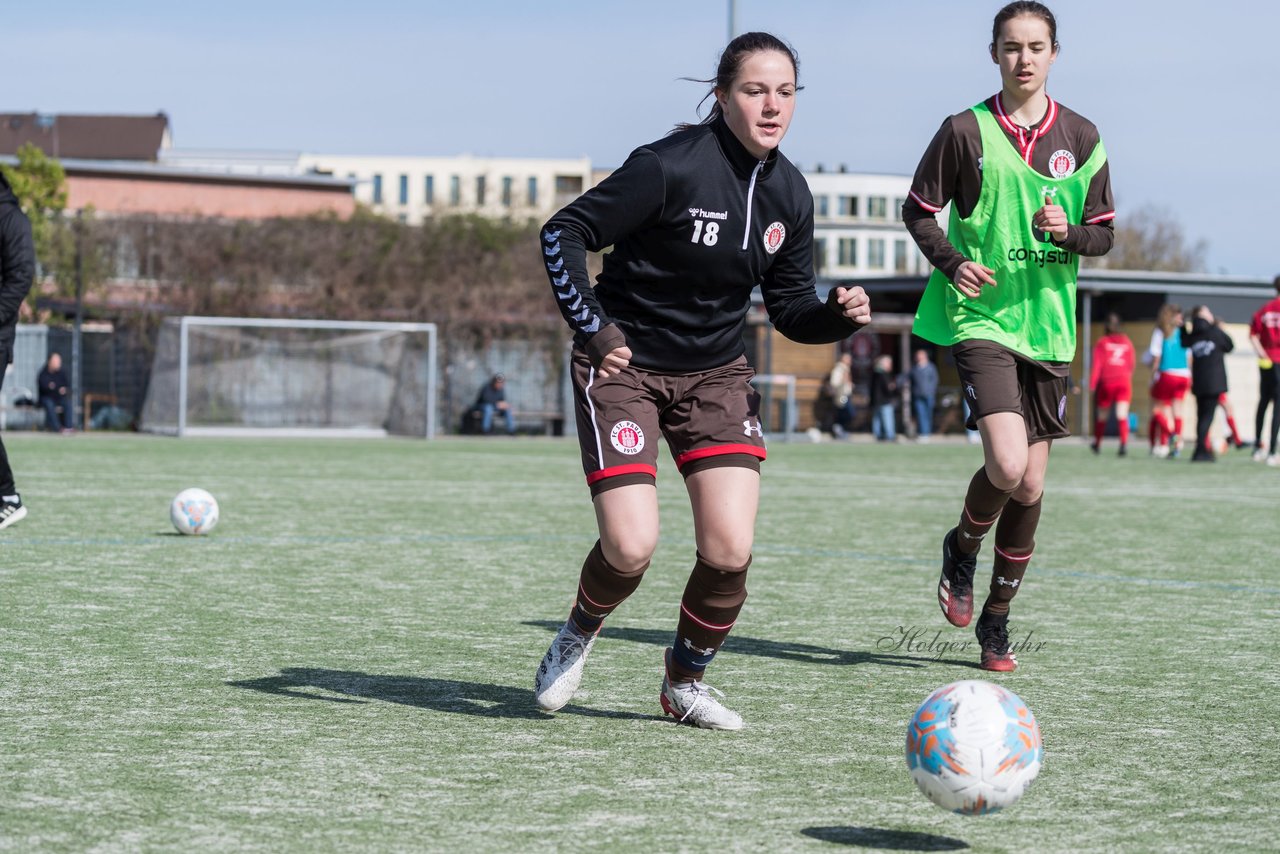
[
  {"x": 17, "y": 263},
  {"x": 1209, "y": 346},
  {"x": 695, "y": 223}
]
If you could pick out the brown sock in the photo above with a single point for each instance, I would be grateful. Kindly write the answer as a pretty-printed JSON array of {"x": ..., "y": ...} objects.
[
  {"x": 710, "y": 606},
  {"x": 1015, "y": 541},
  {"x": 982, "y": 505},
  {"x": 601, "y": 588}
]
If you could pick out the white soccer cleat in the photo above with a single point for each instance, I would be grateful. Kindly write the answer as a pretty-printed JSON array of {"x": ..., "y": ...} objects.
[
  {"x": 1259, "y": 455},
  {"x": 1273, "y": 460},
  {"x": 560, "y": 672},
  {"x": 691, "y": 703},
  {"x": 1160, "y": 451},
  {"x": 12, "y": 511}
]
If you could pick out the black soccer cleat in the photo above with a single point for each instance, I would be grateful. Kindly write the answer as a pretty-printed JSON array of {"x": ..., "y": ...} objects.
[
  {"x": 993, "y": 640},
  {"x": 955, "y": 585}
]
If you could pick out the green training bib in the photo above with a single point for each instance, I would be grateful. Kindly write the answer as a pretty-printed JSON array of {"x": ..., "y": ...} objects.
[{"x": 1032, "y": 309}]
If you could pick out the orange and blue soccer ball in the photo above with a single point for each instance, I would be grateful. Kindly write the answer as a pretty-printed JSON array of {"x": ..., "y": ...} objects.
[
  {"x": 973, "y": 747},
  {"x": 194, "y": 511}
]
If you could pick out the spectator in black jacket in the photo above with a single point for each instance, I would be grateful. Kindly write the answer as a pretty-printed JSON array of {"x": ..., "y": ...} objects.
[
  {"x": 54, "y": 388},
  {"x": 1209, "y": 346},
  {"x": 17, "y": 269},
  {"x": 884, "y": 399}
]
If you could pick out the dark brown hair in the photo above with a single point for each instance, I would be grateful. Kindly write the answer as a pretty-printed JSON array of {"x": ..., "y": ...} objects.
[
  {"x": 1113, "y": 325},
  {"x": 1024, "y": 7},
  {"x": 730, "y": 64}
]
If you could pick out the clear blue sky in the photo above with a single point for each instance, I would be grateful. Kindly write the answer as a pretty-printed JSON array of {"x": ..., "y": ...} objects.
[{"x": 1185, "y": 93}]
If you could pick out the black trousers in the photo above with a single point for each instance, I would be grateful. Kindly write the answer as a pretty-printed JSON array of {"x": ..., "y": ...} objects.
[
  {"x": 7, "y": 486},
  {"x": 1206, "y": 408},
  {"x": 1268, "y": 395}
]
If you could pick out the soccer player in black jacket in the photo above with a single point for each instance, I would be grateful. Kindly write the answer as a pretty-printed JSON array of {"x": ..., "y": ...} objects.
[
  {"x": 696, "y": 220},
  {"x": 1209, "y": 345},
  {"x": 17, "y": 269}
]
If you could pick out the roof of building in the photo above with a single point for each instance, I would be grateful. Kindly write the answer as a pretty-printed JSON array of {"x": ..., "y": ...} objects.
[
  {"x": 134, "y": 170},
  {"x": 91, "y": 137}
]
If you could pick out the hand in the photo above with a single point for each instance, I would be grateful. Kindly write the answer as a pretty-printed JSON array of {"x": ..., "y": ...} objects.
[
  {"x": 971, "y": 276},
  {"x": 614, "y": 361},
  {"x": 1051, "y": 218},
  {"x": 854, "y": 305}
]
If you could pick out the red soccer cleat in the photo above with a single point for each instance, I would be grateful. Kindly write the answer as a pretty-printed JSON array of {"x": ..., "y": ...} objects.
[
  {"x": 955, "y": 585},
  {"x": 993, "y": 639}
]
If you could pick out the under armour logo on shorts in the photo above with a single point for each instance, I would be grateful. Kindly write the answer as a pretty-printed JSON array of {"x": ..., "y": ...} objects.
[{"x": 749, "y": 429}]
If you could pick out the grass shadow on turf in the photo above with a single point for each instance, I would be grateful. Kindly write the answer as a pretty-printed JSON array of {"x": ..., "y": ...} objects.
[
  {"x": 891, "y": 840},
  {"x": 440, "y": 695},
  {"x": 801, "y": 652}
]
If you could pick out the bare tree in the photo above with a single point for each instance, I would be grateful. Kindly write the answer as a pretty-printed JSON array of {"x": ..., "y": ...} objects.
[{"x": 1151, "y": 238}]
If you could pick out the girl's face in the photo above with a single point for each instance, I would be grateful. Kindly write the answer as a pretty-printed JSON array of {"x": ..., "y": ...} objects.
[
  {"x": 1024, "y": 53},
  {"x": 759, "y": 104}
]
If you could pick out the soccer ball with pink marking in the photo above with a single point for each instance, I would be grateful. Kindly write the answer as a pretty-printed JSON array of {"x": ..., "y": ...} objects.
[
  {"x": 973, "y": 747},
  {"x": 194, "y": 511}
]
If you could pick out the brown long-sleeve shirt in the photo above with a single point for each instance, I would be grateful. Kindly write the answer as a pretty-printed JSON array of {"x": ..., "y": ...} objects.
[{"x": 951, "y": 172}]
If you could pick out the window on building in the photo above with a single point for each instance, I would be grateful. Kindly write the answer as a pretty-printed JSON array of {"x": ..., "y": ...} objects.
[
  {"x": 848, "y": 206},
  {"x": 429, "y": 189},
  {"x": 404, "y": 189},
  {"x": 568, "y": 188},
  {"x": 875, "y": 254},
  {"x": 900, "y": 256},
  {"x": 507, "y": 183},
  {"x": 822, "y": 206},
  {"x": 847, "y": 252},
  {"x": 897, "y": 208},
  {"x": 820, "y": 255},
  {"x": 877, "y": 207},
  {"x": 455, "y": 190},
  {"x": 480, "y": 185},
  {"x": 377, "y": 189},
  {"x": 533, "y": 192}
]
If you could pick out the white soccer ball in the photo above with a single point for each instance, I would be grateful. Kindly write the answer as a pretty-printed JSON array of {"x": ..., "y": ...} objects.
[
  {"x": 973, "y": 747},
  {"x": 194, "y": 511}
]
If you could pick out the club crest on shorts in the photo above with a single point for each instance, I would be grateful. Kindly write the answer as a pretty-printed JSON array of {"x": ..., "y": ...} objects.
[
  {"x": 773, "y": 237},
  {"x": 1062, "y": 163},
  {"x": 627, "y": 438}
]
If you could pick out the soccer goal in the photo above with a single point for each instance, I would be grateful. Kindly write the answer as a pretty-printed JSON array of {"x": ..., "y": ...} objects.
[{"x": 238, "y": 375}]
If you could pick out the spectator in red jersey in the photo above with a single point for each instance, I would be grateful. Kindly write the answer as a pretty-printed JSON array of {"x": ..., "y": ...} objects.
[
  {"x": 1111, "y": 381},
  {"x": 1264, "y": 335}
]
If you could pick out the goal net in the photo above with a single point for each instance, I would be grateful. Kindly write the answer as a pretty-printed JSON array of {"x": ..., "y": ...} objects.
[{"x": 234, "y": 375}]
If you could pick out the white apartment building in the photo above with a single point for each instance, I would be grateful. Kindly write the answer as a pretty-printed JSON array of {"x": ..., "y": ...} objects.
[
  {"x": 858, "y": 229},
  {"x": 411, "y": 189}
]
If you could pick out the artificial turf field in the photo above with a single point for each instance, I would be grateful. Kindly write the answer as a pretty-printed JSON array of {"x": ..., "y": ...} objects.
[{"x": 346, "y": 663}]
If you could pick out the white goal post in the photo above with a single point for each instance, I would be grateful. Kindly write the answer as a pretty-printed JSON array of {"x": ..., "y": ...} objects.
[{"x": 245, "y": 375}]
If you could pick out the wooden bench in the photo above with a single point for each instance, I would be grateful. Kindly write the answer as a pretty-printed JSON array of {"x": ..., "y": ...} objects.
[{"x": 550, "y": 420}]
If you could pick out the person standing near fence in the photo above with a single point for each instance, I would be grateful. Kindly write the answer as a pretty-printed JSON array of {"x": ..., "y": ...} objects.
[
  {"x": 1029, "y": 189},
  {"x": 1170, "y": 381},
  {"x": 924, "y": 393},
  {"x": 1111, "y": 381},
  {"x": 17, "y": 270},
  {"x": 1209, "y": 345},
  {"x": 1264, "y": 335},
  {"x": 696, "y": 220}
]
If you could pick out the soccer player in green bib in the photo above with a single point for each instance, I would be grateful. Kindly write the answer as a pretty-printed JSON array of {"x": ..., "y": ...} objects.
[{"x": 1030, "y": 192}]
